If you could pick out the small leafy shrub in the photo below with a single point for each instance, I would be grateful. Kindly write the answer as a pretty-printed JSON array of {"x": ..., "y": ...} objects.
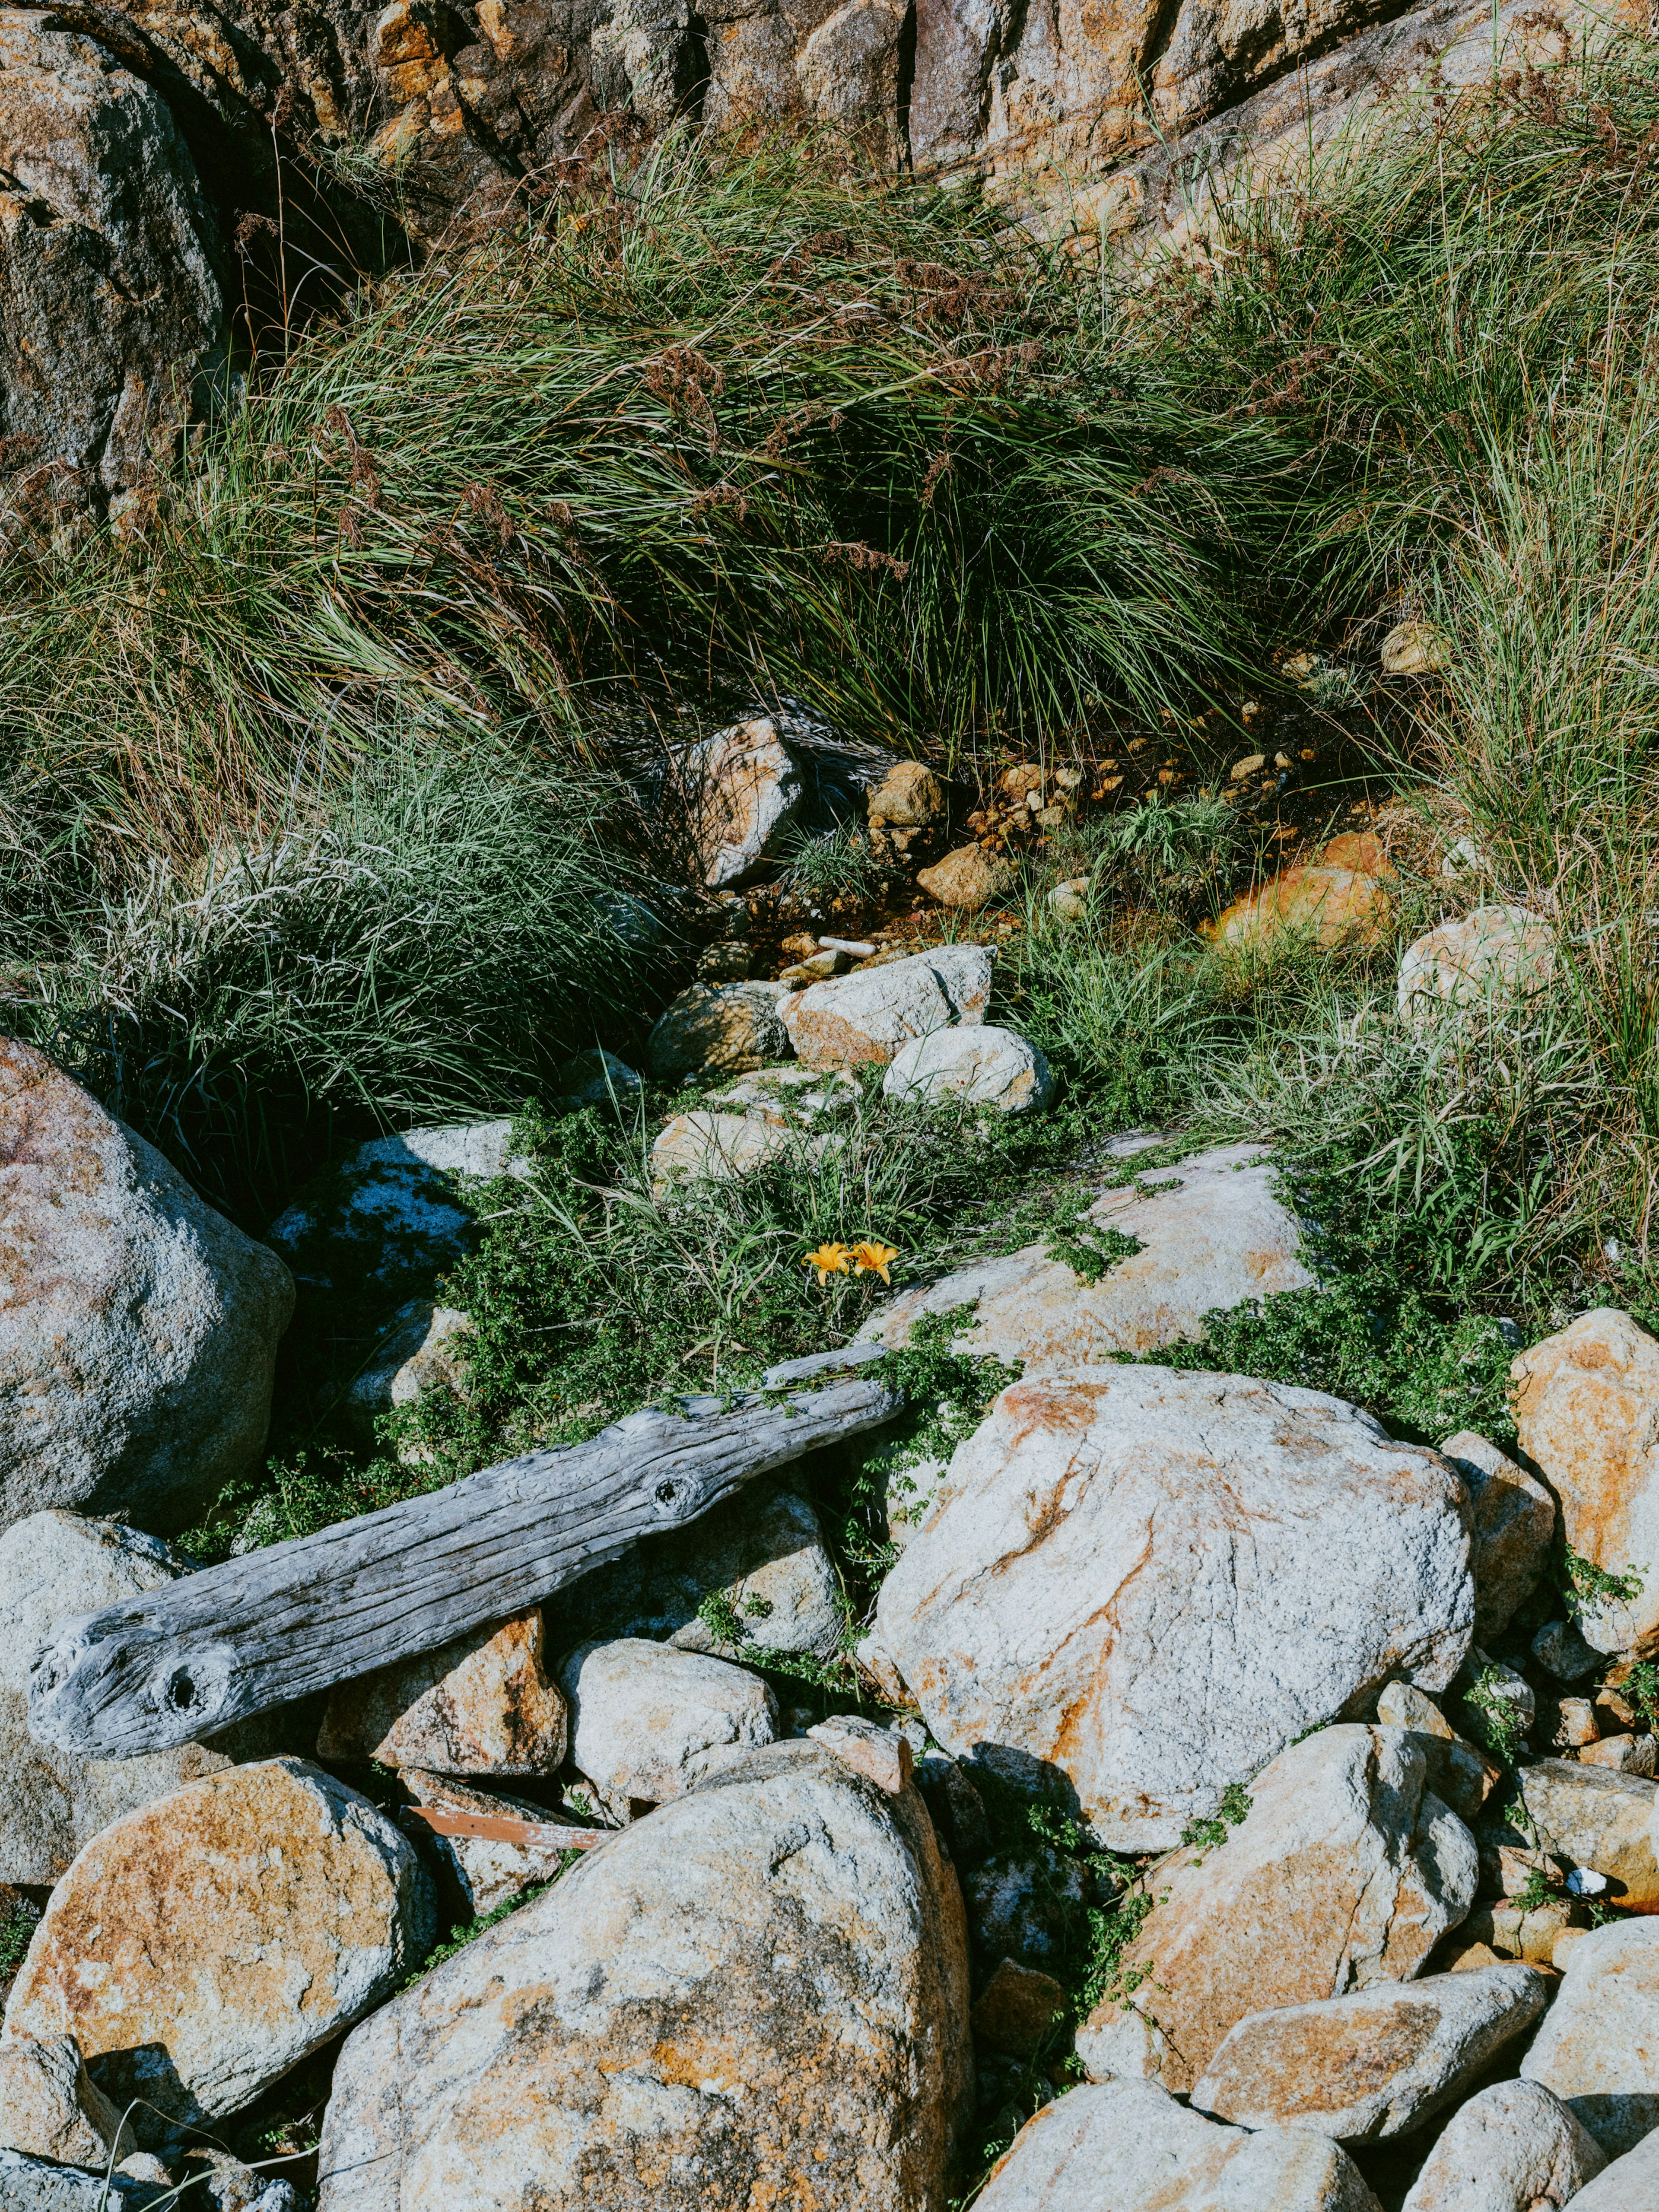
[
  {"x": 1206, "y": 1836},
  {"x": 1491, "y": 1718}
]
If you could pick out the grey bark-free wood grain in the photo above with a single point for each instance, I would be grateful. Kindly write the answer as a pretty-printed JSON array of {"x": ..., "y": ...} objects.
[{"x": 183, "y": 1661}]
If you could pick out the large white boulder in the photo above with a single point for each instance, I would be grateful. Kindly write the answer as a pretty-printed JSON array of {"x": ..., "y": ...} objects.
[
  {"x": 203, "y": 1945},
  {"x": 756, "y": 1996},
  {"x": 1587, "y": 1414},
  {"x": 975, "y": 1067},
  {"x": 52, "y": 1566},
  {"x": 1345, "y": 1873},
  {"x": 1598, "y": 2046},
  {"x": 138, "y": 1328},
  {"x": 1212, "y": 1232},
  {"x": 1374, "y": 2063},
  {"x": 1128, "y": 2147},
  {"x": 1512, "y": 2147},
  {"x": 1149, "y": 1581},
  {"x": 872, "y": 1014},
  {"x": 648, "y": 1721},
  {"x": 743, "y": 791}
]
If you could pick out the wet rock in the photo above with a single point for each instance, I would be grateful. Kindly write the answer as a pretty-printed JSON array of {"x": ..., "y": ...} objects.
[
  {"x": 756, "y": 1565},
  {"x": 138, "y": 1328},
  {"x": 112, "y": 304},
  {"x": 488, "y": 1871},
  {"x": 1212, "y": 1232},
  {"x": 482, "y": 1704},
  {"x": 1344, "y": 1874},
  {"x": 1128, "y": 2146},
  {"x": 52, "y": 1566},
  {"x": 1587, "y": 1413},
  {"x": 1372, "y": 2063},
  {"x": 1514, "y": 1528},
  {"x": 1480, "y": 960},
  {"x": 743, "y": 790},
  {"x": 1598, "y": 2048},
  {"x": 1029, "y": 1907},
  {"x": 868, "y": 1016},
  {"x": 1513, "y": 2147},
  {"x": 968, "y": 878},
  {"x": 50, "y": 2107},
  {"x": 725, "y": 1028},
  {"x": 982, "y": 1067},
  {"x": 203, "y": 1945},
  {"x": 1303, "y": 1558},
  {"x": 768, "y": 1977},
  {"x": 647, "y": 1722}
]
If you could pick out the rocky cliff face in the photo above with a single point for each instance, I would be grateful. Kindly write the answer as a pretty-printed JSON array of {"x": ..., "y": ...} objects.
[{"x": 151, "y": 154}]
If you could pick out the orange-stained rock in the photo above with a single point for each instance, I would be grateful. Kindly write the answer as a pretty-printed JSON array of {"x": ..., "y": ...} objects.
[
  {"x": 908, "y": 797},
  {"x": 756, "y": 1997},
  {"x": 743, "y": 790},
  {"x": 200, "y": 1947},
  {"x": 1345, "y": 1873},
  {"x": 482, "y": 1704},
  {"x": 1372, "y": 2063},
  {"x": 1149, "y": 1581},
  {"x": 1595, "y": 1817},
  {"x": 1330, "y": 905},
  {"x": 967, "y": 878},
  {"x": 1362, "y": 850},
  {"x": 1587, "y": 1414},
  {"x": 869, "y": 1015}
]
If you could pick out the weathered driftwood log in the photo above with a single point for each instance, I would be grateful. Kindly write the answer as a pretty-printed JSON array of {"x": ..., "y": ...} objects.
[{"x": 198, "y": 1654}]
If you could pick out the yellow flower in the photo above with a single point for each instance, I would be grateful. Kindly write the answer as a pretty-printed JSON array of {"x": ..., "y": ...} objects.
[
  {"x": 872, "y": 1258},
  {"x": 829, "y": 1260}
]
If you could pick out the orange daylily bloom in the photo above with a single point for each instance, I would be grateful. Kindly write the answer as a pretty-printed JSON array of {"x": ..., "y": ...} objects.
[
  {"x": 873, "y": 1258},
  {"x": 829, "y": 1260}
]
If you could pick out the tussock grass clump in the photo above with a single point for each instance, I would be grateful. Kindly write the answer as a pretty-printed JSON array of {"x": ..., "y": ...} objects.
[{"x": 428, "y": 942}]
